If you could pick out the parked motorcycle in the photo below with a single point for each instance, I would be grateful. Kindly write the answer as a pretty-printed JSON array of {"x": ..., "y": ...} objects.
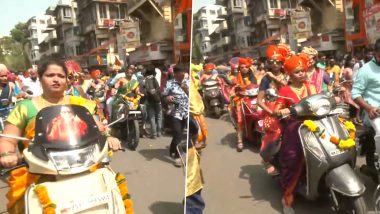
[
  {"x": 68, "y": 159},
  {"x": 212, "y": 97},
  {"x": 329, "y": 167},
  {"x": 252, "y": 114},
  {"x": 128, "y": 129}
]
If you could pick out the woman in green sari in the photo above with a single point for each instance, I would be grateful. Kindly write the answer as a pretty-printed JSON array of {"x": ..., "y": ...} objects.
[
  {"x": 21, "y": 122},
  {"x": 126, "y": 86}
]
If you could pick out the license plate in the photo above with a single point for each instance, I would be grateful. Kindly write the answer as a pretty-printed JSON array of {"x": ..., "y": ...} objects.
[
  {"x": 336, "y": 152},
  {"x": 84, "y": 203}
]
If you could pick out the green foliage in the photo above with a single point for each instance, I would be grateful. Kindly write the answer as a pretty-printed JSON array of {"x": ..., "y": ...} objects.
[
  {"x": 13, "y": 55},
  {"x": 19, "y": 33}
]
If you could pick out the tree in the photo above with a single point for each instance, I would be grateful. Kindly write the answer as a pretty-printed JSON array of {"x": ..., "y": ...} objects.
[
  {"x": 13, "y": 55},
  {"x": 19, "y": 33}
]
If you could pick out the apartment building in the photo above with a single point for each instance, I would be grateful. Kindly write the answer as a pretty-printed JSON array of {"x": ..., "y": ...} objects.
[
  {"x": 156, "y": 30},
  {"x": 98, "y": 21},
  {"x": 36, "y": 35}
]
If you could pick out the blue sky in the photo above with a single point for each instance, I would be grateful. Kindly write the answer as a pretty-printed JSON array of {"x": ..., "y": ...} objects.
[
  {"x": 200, "y": 3},
  {"x": 15, "y": 11}
]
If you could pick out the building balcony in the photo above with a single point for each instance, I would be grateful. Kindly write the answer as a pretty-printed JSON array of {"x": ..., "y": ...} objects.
[
  {"x": 224, "y": 41},
  {"x": 222, "y": 12},
  {"x": 236, "y": 10},
  {"x": 51, "y": 22},
  {"x": 53, "y": 50},
  {"x": 139, "y": 7},
  {"x": 52, "y": 36},
  {"x": 222, "y": 27},
  {"x": 64, "y": 20}
]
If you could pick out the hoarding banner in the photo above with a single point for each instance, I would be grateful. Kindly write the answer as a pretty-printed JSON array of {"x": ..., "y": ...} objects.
[
  {"x": 372, "y": 23},
  {"x": 129, "y": 35},
  {"x": 301, "y": 24}
]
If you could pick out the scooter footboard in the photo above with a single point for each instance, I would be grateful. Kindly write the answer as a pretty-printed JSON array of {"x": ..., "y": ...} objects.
[
  {"x": 344, "y": 180},
  {"x": 95, "y": 192}
]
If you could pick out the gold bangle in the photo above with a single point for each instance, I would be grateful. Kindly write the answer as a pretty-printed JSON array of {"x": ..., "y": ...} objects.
[{"x": 4, "y": 154}]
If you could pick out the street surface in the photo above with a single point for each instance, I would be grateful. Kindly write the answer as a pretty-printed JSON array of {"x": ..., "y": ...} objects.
[
  {"x": 156, "y": 186},
  {"x": 237, "y": 183}
]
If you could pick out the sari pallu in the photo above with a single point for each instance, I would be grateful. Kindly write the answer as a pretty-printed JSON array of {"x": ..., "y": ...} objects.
[{"x": 271, "y": 141}]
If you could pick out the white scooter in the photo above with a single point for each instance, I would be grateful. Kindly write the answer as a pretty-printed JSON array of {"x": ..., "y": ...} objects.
[{"x": 75, "y": 159}]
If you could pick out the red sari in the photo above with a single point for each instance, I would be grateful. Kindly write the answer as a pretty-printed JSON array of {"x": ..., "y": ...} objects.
[{"x": 291, "y": 153}]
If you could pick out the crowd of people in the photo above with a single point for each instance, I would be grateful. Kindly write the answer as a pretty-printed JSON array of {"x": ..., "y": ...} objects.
[{"x": 354, "y": 81}]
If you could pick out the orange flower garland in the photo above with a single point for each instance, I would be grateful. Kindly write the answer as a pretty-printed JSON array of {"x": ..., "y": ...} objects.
[
  {"x": 44, "y": 199},
  {"x": 342, "y": 144},
  {"x": 122, "y": 184}
]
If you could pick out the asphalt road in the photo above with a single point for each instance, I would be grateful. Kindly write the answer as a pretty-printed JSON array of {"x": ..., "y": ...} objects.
[
  {"x": 156, "y": 186},
  {"x": 237, "y": 183}
]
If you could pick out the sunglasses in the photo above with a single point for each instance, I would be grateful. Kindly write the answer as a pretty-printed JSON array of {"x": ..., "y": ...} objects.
[{"x": 275, "y": 62}]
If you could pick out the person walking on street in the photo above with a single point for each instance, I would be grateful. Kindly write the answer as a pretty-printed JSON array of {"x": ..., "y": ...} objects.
[
  {"x": 153, "y": 102},
  {"x": 176, "y": 94}
]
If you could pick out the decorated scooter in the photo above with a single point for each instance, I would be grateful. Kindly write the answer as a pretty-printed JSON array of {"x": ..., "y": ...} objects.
[
  {"x": 330, "y": 154},
  {"x": 72, "y": 159}
]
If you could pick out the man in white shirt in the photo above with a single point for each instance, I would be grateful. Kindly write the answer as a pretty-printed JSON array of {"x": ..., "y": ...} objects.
[{"x": 31, "y": 85}]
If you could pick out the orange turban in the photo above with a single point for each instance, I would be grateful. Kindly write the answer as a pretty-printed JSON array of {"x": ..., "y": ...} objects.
[
  {"x": 284, "y": 50},
  {"x": 95, "y": 73},
  {"x": 209, "y": 66},
  {"x": 274, "y": 53},
  {"x": 306, "y": 59},
  {"x": 293, "y": 63},
  {"x": 245, "y": 61}
]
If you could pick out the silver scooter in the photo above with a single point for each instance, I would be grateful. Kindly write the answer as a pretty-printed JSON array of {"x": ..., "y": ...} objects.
[{"x": 329, "y": 170}]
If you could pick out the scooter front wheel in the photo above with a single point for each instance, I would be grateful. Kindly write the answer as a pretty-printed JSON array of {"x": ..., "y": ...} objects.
[
  {"x": 218, "y": 111},
  {"x": 354, "y": 205}
]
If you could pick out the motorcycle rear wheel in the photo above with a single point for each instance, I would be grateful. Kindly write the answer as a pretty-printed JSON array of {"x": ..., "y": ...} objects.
[{"x": 133, "y": 134}]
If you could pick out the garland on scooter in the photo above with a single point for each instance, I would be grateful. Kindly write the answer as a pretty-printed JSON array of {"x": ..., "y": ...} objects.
[
  {"x": 342, "y": 144},
  {"x": 44, "y": 199}
]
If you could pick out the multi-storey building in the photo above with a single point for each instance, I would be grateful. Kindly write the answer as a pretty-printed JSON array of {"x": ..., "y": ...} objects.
[
  {"x": 327, "y": 19},
  {"x": 36, "y": 35},
  {"x": 206, "y": 22},
  {"x": 156, "y": 30},
  {"x": 98, "y": 21}
]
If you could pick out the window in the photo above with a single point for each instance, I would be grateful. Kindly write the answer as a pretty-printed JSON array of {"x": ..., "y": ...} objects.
[
  {"x": 286, "y": 4},
  {"x": 34, "y": 21},
  {"x": 212, "y": 12},
  {"x": 237, "y": 3},
  {"x": 67, "y": 12},
  {"x": 273, "y": 4},
  {"x": 250, "y": 40},
  {"x": 204, "y": 23},
  {"x": 114, "y": 11},
  {"x": 42, "y": 22},
  {"x": 103, "y": 11},
  {"x": 34, "y": 32},
  {"x": 123, "y": 11},
  {"x": 77, "y": 50}
]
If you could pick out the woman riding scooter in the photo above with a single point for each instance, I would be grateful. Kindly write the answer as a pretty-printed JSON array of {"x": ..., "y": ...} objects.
[{"x": 291, "y": 155}]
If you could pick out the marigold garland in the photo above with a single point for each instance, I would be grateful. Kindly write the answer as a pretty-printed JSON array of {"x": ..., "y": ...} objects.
[
  {"x": 311, "y": 125},
  {"x": 342, "y": 144},
  {"x": 44, "y": 199},
  {"x": 122, "y": 184}
]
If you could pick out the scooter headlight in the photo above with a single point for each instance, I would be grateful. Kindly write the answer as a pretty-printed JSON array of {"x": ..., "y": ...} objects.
[
  {"x": 75, "y": 160},
  {"x": 321, "y": 107},
  {"x": 313, "y": 145}
]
